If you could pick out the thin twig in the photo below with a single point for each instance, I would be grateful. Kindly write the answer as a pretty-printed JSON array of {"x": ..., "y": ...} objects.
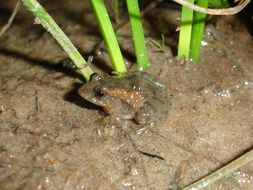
[
  {"x": 227, "y": 11},
  {"x": 8, "y": 24},
  {"x": 222, "y": 172}
]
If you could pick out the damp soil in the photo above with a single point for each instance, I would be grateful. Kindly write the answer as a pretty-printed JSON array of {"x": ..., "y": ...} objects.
[{"x": 50, "y": 138}]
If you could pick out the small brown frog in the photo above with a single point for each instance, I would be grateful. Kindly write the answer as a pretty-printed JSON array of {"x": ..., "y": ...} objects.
[{"x": 134, "y": 95}]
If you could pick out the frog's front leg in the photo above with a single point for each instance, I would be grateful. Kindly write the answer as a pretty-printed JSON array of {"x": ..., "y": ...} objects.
[{"x": 119, "y": 109}]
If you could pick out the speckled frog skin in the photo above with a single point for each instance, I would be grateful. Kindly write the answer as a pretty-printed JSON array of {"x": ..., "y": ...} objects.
[{"x": 134, "y": 95}]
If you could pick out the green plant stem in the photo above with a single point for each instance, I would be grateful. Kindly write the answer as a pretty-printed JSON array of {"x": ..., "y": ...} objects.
[
  {"x": 156, "y": 43},
  {"x": 163, "y": 41},
  {"x": 198, "y": 26},
  {"x": 218, "y": 3},
  {"x": 220, "y": 173},
  {"x": 138, "y": 34},
  {"x": 108, "y": 35},
  {"x": 43, "y": 18},
  {"x": 185, "y": 31}
]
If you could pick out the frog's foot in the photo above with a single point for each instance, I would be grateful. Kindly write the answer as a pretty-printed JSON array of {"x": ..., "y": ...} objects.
[{"x": 83, "y": 65}]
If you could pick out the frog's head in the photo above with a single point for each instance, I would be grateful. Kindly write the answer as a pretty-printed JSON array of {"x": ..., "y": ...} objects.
[{"x": 94, "y": 91}]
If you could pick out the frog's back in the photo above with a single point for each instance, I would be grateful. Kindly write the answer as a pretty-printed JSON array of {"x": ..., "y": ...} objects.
[
  {"x": 150, "y": 83},
  {"x": 157, "y": 104},
  {"x": 142, "y": 79}
]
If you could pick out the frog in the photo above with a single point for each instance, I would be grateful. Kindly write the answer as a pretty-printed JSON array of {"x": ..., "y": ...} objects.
[{"x": 136, "y": 96}]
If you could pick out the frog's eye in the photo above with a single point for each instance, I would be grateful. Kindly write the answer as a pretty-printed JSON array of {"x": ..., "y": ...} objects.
[{"x": 99, "y": 92}]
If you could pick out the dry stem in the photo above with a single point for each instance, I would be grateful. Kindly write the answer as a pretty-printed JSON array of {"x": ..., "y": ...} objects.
[
  {"x": 8, "y": 24},
  {"x": 227, "y": 11}
]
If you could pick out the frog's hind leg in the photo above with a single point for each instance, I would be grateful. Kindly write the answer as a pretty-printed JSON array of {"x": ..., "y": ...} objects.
[{"x": 146, "y": 113}]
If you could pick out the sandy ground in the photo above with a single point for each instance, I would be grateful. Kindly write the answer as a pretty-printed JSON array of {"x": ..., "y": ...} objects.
[{"x": 50, "y": 138}]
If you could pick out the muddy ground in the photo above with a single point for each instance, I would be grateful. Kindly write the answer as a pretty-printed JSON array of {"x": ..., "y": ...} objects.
[{"x": 50, "y": 138}]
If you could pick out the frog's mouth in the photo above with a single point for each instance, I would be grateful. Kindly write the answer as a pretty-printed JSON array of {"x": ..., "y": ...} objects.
[{"x": 96, "y": 101}]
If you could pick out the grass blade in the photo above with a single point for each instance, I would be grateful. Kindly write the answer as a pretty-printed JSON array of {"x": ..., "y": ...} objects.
[
  {"x": 198, "y": 26},
  {"x": 138, "y": 34},
  {"x": 108, "y": 34},
  {"x": 185, "y": 31},
  {"x": 43, "y": 18}
]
